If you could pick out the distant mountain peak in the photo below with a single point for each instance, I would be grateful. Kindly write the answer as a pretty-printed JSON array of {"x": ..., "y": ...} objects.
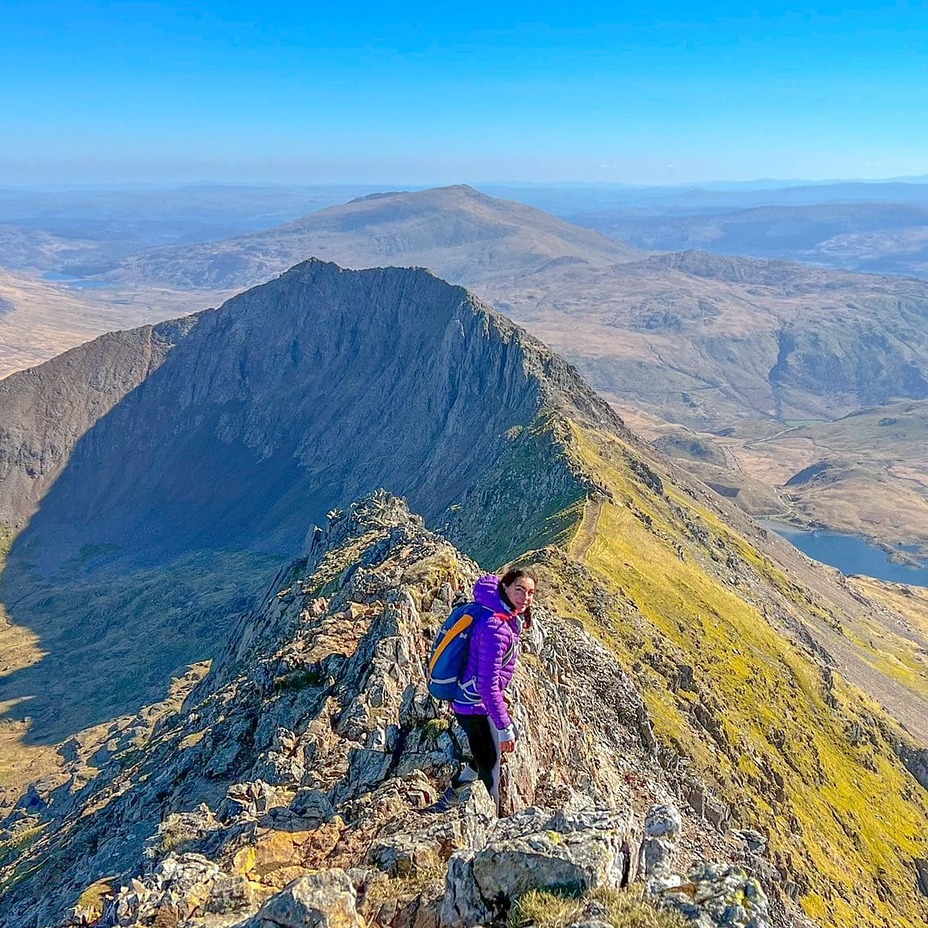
[{"x": 460, "y": 233}]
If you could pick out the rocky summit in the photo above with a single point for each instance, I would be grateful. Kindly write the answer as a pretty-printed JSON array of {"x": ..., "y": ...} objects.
[{"x": 200, "y": 731}]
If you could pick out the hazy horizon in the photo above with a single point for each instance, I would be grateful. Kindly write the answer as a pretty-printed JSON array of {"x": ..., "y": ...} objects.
[
  {"x": 387, "y": 186},
  {"x": 94, "y": 92}
]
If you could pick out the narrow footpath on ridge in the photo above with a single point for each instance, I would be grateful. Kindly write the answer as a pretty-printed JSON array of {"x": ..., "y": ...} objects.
[{"x": 586, "y": 533}]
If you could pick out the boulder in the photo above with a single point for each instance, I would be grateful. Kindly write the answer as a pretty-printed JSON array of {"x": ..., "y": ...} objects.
[
  {"x": 312, "y": 804},
  {"x": 321, "y": 899},
  {"x": 714, "y": 895},
  {"x": 663, "y": 821},
  {"x": 662, "y": 826},
  {"x": 533, "y": 850}
]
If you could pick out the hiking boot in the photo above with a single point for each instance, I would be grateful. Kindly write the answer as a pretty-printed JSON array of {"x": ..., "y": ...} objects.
[{"x": 450, "y": 799}]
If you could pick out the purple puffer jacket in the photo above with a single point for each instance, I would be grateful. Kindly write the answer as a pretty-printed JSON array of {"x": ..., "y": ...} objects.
[{"x": 491, "y": 659}]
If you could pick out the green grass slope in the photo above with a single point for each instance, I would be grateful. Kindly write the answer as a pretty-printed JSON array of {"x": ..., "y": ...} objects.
[{"x": 696, "y": 611}]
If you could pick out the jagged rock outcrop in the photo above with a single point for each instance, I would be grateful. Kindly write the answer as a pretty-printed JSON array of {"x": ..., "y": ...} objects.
[
  {"x": 534, "y": 851},
  {"x": 297, "y": 776}
]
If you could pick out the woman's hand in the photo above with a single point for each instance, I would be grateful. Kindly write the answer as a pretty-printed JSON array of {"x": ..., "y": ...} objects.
[{"x": 507, "y": 747}]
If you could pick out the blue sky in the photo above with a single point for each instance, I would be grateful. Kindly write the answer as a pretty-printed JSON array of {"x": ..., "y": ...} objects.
[{"x": 127, "y": 91}]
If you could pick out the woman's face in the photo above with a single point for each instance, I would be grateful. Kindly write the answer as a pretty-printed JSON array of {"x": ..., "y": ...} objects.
[{"x": 521, "y": 592}]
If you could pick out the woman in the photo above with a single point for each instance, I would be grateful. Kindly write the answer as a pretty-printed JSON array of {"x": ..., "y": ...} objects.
[{"x": 480, "y": 707}]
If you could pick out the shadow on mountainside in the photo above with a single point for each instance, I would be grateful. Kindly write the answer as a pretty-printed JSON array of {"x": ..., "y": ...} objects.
[
  {"x": 136, "y": 565},
  {"x": 111, "y": 641},
  {"x": 177, "y": 507}
]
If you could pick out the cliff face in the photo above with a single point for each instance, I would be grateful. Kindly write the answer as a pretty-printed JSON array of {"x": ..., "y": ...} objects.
[
  {"x": 47, "y": 409},
  {"x": 254, "y": 419}
]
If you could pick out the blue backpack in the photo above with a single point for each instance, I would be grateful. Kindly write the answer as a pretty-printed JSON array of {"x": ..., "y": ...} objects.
[{"x": 449, "y": 651}]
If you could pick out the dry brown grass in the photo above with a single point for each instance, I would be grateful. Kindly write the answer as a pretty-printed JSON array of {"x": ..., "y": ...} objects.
[
  {"x": 619, "y": 909},
  {"x": 50, "y": 318}
]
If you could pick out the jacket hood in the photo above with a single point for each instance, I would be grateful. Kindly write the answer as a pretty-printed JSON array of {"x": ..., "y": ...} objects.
[{"x": 486, "y": 593}]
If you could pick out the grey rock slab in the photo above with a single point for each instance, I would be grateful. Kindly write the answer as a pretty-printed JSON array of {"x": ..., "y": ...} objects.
[
  {"x": 312, "y": 804},
  {"x": 322, "y": 899},
  {"x": 608, "y": 820},
  {"x": 755, "y": 841},
  {"x": 547, "y": 861},
  {"x": 463, "y": 904},
  {"x": 663, "y": 821},
  {"x": 655, "y": 856},
  {"x": 481, "y": 885}
]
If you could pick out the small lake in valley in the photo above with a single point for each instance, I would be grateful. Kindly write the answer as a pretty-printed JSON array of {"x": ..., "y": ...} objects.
[{"x": 850, "y": 555}]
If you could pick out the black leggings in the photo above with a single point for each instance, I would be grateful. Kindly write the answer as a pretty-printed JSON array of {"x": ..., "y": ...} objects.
[{"x": 484, "y": 748}]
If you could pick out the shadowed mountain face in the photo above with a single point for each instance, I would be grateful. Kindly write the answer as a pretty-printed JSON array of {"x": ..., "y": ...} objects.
[{"x": 234, "y": 430}]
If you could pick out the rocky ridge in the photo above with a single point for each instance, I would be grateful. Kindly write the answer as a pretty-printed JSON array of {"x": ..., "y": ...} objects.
[{"x": 297, "y": 776}]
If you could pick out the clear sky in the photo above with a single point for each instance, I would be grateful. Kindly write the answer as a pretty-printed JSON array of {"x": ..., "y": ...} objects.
[{"x": 94, "y": 91}]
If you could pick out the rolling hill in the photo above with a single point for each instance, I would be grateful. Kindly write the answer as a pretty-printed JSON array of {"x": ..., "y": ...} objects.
[
  {"x": 455, "y": 231},
  {"x": 866, "y": 237}
]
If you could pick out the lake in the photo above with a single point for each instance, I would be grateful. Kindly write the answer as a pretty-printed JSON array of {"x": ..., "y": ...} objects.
[{"x": 849, "y": 554}]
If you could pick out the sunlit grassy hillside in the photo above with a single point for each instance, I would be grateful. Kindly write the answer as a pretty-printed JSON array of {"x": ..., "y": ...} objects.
[{"x": 797, "y": 753}]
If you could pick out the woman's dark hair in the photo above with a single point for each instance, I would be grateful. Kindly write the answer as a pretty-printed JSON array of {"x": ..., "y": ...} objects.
[
  {"x": 516, "y": 573},
  {"x": 510, "y": 577}
]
